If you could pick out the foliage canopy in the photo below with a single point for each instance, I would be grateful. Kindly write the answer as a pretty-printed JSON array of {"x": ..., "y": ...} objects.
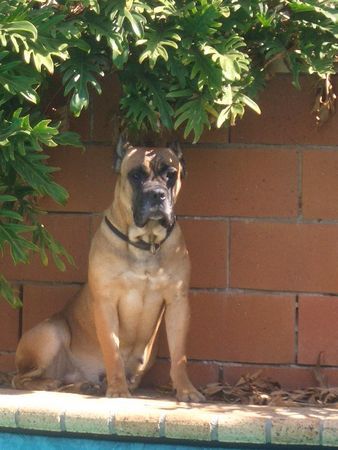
[{"x": 190, "y": 64}]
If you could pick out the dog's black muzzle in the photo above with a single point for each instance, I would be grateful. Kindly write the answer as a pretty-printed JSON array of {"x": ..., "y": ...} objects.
[{"x": 153, "y": 203}]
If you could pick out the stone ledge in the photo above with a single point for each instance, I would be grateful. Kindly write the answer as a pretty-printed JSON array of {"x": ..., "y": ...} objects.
[{"x": 149, "y": 417}]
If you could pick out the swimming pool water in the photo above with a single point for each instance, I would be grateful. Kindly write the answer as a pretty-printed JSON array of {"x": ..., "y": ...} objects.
[{"x": 12, "y": 441}]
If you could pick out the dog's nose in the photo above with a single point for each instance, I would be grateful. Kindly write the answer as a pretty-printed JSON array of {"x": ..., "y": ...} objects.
[{"x": 157, "y": 195}]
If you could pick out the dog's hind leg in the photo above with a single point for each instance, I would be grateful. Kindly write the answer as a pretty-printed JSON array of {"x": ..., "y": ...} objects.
[
  {"x": 39, "y": 356},
  {"x": 35, "y": 380}
]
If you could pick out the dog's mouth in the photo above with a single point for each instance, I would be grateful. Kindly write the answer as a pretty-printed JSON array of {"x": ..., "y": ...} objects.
[{"x": 162, "y": 214}]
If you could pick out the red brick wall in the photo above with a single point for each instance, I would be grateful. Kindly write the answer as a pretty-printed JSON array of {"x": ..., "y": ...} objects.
[{"x": 259, "y": 210}]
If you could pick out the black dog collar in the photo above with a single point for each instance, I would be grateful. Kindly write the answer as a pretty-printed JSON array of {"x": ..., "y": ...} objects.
[{"x": 152, "y": 248}]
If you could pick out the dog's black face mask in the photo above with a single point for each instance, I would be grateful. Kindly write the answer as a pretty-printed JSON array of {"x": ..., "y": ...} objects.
[{"x": 153, "y": 193}]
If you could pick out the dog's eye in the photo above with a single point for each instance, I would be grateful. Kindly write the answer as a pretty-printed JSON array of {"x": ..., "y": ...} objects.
[
  {"x": 171, "y": 174},
  {"x": 170, "y": 177},
  {"x": 138, "y": 175},
  {"x": 168, "y": 173}
]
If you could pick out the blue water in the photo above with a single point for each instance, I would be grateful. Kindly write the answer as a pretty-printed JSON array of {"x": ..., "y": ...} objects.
[{"x": 12, "y": 441}]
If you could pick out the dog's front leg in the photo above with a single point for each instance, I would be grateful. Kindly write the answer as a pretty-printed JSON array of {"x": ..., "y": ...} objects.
[
  {"x": 177, "y": 316},
  {"x": 107, "y": 328}
]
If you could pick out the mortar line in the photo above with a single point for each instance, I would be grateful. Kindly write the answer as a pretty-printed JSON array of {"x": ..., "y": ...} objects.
[
  {"x": 228, "y": 260},
  {"x": 192, "y": 290},
  {"x": 266, "y": 219},
  {"x": 229, "y": 137},
  {"x": 214, "y": 428},
  {"x": 226, "y": 146},
  {"x": 321, "y": 431},
  {"x": 258, "y": 146},
  {"x": 244, "y": 364},
  {"x": 225, "y": 218},
  {"x": 299, "y": 186},
  {"x": 91, "y": 121},
  {"x": 220, "y": 372},
  {"x": 20, "y": 324},
  {"x": 267, "y": 430},
  {"x": 161, "y": 424},
  {"x": 296, "y": 343},
  {"x": 256, "y": 291}
]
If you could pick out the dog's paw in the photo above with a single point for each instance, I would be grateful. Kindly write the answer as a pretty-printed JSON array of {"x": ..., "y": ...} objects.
[
  {"x": 118, "y": 391},
  {"x": 88, "y": 388},
  {"x": 189, "y": 395}
]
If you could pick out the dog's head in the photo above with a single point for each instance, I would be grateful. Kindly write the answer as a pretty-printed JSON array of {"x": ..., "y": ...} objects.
[{"x": 150, "y": 181}]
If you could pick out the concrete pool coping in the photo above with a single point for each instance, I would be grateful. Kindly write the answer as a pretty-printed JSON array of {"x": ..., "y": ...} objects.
[{"x": 158, "y": 418}]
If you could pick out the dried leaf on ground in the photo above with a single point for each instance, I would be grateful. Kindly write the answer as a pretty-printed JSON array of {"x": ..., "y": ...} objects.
[{"x": 253, "y": 389}]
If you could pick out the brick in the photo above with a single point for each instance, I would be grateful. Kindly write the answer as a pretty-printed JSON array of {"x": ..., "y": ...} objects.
[
  {"x": 320, "y": 184},
  {"x": 158, "y": 375},
  {"x": 200, "y": 374},
  {"x": 330, "y": 430},
  {"x": 193, "y": 426},
  {"x": 95, "y": 223},
  {"x": 286, "y": 116},
  {"x": 7, "y": 363},
  {"x": 79, "y": 419},
  {"x": 238, "y": 427},
  {"x": 292, "y": 429},
  {"x": 106, "y": 110},
  {"x": 139, "y": 422},
  {"x": 318, "y": 331},
  {"x": 87, "y": 175},
  {"x": 36, "y": 417},
  {"x": 239, "y": 182},
  {"x": 73, "y": 233},
  {"x": 240, "y": 328},
  {"x": 330, "y": 376},
  {"x": 40, "y": 302},
  {"x": 203, "y": 373},
  {"x": 207, "y": 245},
  {"x": 291, "y": 257},
  {"x": 287, "y": 377},
  {"x": 9, "y": 330},
  {"x": 81, "y": 125},
  {"x": 212, "y": 136}
]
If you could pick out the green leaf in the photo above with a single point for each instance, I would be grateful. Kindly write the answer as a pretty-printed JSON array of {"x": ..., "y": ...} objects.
[
  {"x": 9, "y": 293},
  {"x": 10, "y": 214},
  {"x": 250, "y": 103},
  {"x": 223, "y": 116},
  {"x": 204, "y": 70},
  {"x": 37, "y": 175},
  {"x": 17, "y": 81},
  {"x": 22, "y": 26},
  {"x": 194, "y": 114},
  {"x": 155, "y": 42},
  {"x": 7, "y": 198},
  {"x": 79, "y": 73},
  {"x": 46, "y": 242},
  {"x": 136, "y": 22},
  {"x": 69, "y": 138},
  {"x": 20, "y": 247}
]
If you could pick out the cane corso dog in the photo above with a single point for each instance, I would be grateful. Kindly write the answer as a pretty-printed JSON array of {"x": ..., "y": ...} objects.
[{"x": 138, "y": 273}]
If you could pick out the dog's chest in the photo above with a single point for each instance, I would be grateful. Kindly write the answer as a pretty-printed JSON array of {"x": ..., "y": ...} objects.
[{"x": 145, "y": 278}]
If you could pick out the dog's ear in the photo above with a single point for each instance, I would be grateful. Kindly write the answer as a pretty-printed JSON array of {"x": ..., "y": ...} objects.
[
  {"x": 176, "y": 148},
  {"x": 121, "y": 148}
]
